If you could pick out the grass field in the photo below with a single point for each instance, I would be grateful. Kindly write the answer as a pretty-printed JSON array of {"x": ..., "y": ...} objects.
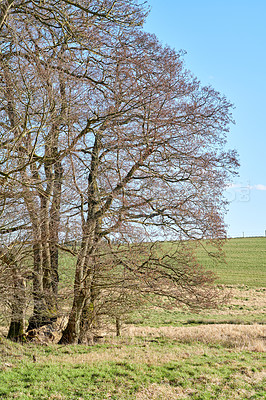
[
  {"x": 200, "y": 366},
  {"x": 245, "y": 262},
  {"x": 246, "y": 306},
  {"x": 162, "y": 354}
]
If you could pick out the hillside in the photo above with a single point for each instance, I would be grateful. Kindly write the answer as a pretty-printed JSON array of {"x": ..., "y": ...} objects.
[{"x": 245, "y": 262}]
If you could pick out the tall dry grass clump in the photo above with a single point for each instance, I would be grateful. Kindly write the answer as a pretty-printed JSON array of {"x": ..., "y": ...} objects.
[{"x": 244, "y": 337}]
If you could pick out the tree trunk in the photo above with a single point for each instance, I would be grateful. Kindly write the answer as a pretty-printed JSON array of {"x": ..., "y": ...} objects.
[
  {"x": 83, "y": 278},
  {"x": 18, "y": 303},
  {"x": 54, "y": 225},
  {"x": 41, "y": 314},
  {"x": 89, "y": 318},
  {"x": 81, "y": 289},
  {"x": 71, "y": 333},
  {"x": 118, "y": 326},
  {"x": 16, "y": 329}
]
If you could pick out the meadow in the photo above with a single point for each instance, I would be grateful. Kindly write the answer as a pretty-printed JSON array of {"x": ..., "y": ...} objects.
[
  {"x": 245, "y": 262},
  {"x": 162, "y": 354}
]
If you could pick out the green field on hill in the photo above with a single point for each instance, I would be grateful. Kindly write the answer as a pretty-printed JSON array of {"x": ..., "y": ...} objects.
[{"x": 245, "y": 262}]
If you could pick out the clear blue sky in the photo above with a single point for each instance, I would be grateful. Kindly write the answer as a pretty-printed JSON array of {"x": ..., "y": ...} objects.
[{"x": 225, "y": 41}]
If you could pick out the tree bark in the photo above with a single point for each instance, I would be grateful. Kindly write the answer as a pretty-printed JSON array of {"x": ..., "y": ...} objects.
[
  {"x": 71, "y": 333},
  {"x": 54, "y": 225},
  {"x": 84, "y": 275},
  {"x": 16, "y": 327},
  {"x": 89, "y": 317},
  {"x": 118, "y": 326},
  {"x": 18, "y": 300},
  {"x": 39, "y": 308},
  {"x": 81, "y": 293}
]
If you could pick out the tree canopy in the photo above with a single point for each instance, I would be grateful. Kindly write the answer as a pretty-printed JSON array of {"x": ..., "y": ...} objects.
[{"x": 107, "y": 140}]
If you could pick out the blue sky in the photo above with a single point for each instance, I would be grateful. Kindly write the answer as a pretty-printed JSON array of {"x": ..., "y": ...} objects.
[{"x": 225, "y": 41}]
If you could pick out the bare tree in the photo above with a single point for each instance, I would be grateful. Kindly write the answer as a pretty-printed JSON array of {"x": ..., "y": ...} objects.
[
  {"x": 156, "y": 164},
  {"x": 52, "y": 53},
  {"x": 104, "y": 128}
]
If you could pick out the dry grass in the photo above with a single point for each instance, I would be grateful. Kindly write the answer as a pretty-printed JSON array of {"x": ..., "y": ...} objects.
[
  {"x": 163, "y": 392},
  {"x": 244, "y": 300},
  {"x": 248, "y": 337},
  {"x": 168, "y": 392},
  {"x": 164, "y": 363},
  {"x": 122, "y": 350},
  {"x": 237, "y": 337}
]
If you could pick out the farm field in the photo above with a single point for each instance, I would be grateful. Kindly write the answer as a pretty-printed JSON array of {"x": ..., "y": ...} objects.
[
  {"x": 245, "y": 262},
  {"x": 162, "y": 354}
]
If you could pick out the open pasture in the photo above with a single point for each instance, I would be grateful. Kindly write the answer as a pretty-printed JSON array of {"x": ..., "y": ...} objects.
[
  {"x": 162, "y": 354},
  {"x": 244, "y": 264},
  {"x": 163, "y": 364}
]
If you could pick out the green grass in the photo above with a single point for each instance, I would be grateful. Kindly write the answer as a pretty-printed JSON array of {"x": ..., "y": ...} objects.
[
  {"x": 194, "y": 371},
  {"x": 157, "y": 367},
  {"x": 157, "y": 318},
  {"x": 67, "y": 264},
  {"x": 245, "y": 262},
  {"x": 244, "y": 269}
]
